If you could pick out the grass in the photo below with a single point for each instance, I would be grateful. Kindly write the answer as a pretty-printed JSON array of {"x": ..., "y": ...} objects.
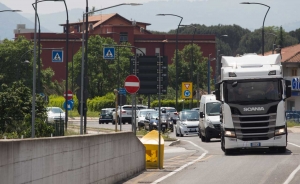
[{"x": 74, "y": 113}]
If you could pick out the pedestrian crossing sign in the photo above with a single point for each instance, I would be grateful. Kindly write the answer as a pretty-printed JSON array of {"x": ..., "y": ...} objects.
[
  {"x": 57, "y": 55},
  {"x": 108, "y": 53}
]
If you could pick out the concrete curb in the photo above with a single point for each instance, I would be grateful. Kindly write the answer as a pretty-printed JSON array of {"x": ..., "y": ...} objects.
[{"x": 175, "y": 142}]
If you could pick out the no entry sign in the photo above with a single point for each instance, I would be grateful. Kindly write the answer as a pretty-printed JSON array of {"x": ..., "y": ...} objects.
[
  {"x": 70, "y": 95},
  {"x": 132, "y": 84}
]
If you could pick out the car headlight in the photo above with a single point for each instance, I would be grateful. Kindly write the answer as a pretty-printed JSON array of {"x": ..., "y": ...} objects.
[
  {"x": 184, "y": 123},
  {"x": 229, "y": 133},
  {"x": 209, "y": 123},
  {"x": 154, "y": 123},
  {"x": 280, "y": 131}
]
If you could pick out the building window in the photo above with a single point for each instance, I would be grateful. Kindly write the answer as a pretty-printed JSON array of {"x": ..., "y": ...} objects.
[
  {"x": 294, "y": 71},
  {"x": 123, "y": 37},
  {"x": 157, "y": 51}
]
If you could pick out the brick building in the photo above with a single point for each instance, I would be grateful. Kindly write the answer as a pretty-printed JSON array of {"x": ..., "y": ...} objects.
[{"x": 121, "y": 30}]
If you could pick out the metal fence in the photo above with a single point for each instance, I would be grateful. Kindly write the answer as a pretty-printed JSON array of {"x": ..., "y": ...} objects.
[{"x": 293, "y": 116}]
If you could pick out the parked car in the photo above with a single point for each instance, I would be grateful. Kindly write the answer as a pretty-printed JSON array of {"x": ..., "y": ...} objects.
[
  {"x": 187, "y": 123},
  {"x": 292, "y": 116},
  {"x": 140, "y": 117},
  {"x": 105, "y": 115},
  {"x": 55, "y": 114},
  {"x": 126, "y": 111}
]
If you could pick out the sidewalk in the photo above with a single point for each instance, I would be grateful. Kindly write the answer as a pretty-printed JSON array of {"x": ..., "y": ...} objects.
[{"x": 295, "y": 129}]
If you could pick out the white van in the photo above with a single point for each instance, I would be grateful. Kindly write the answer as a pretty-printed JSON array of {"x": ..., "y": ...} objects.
[{"x": 209, "y": 121}]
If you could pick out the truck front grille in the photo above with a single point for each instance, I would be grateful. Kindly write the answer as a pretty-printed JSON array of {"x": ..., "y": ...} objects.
[{"x": 254, "y": 127}]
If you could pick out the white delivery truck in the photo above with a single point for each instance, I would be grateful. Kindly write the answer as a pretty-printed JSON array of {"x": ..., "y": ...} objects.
[
  {"x": 209, "y": 121},
  {"x": 253, "y": 93}
]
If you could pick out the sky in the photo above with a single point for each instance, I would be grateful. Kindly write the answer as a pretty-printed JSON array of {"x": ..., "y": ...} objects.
[{"x": 50, "y": 7}]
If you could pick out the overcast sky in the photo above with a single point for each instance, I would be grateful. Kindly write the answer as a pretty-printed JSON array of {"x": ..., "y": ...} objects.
[{"x": 51, "y": 7}]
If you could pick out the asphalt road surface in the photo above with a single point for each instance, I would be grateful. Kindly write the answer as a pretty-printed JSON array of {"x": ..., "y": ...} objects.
[{"x": 193, "y": 161}]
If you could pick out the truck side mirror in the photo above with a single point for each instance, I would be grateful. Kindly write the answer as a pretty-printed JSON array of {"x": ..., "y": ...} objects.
[
  {"x": 288, "y": 89},
  {"x": 201, "y": 115}
]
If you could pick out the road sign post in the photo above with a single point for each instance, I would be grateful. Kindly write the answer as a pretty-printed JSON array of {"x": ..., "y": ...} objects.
[
  {"x": 187, "y": 90},
  {"x": 57, "y": 55}
]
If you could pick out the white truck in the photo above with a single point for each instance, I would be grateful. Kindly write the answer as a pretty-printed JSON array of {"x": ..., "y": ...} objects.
[{"x": 252, "y": 92}]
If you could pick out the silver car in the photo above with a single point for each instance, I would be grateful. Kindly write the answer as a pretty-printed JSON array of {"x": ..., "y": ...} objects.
[
  {"x": 140, "y": 117},
  {"x": 55, "y": 114},
  {"x": 187, "y": 123}
]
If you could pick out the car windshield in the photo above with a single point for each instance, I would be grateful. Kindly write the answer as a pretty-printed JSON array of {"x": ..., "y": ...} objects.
[
  {"x": 213, "y": 108},
  {"x": 154, "y": 115},
  {"x": 106, "y": 111},
  {"x": 56, "y": 110},
  {"x": 144, "y": 113},
  {"x": 189, "y": 115},
  {"x": 251, "y": 92}
]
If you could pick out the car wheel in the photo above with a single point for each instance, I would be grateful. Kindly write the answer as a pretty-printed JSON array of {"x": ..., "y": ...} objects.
[
  {"x": 181, "y": 135},
  {"x": 202, "y": 137},
  {"x": 113, "y": 122},
  {"x": 176, "y": 132}
]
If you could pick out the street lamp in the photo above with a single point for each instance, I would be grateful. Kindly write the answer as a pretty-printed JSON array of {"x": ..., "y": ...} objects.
[
  {"x": 262, "y": 32},
  {"x": 176, "y": 52},
  {"x": 273, "y": 41},
  {"x": 208, "y": 73},
  {"x": 84, "y": 67},
  {"x": 10, "y": 11},
  {"x": 192, "y": 60}
]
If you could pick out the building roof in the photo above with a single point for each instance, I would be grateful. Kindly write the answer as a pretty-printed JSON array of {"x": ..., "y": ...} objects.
[{"x": 289, "y": 54}]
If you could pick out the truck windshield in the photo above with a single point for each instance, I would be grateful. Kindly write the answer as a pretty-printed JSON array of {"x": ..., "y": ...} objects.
[
  {"x": 251, "y": 92},
  {"x": 213, "y": 108}
]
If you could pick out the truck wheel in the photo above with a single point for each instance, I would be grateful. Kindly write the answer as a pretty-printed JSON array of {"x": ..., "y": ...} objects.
[
  {"x": 282, "y": 149},
  {"x": 207, "y": 139}
]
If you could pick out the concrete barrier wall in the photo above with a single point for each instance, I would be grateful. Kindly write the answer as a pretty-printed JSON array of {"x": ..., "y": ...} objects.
[{"x": 97, "y": 158}]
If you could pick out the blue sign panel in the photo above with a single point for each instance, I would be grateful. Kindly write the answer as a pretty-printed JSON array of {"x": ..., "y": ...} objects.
[
  {"x": 122, "y": 91},
  {"x": 70, "y": 104},
  {"x": 108, "y": 53},
  {"x": 57, "y": 56}
]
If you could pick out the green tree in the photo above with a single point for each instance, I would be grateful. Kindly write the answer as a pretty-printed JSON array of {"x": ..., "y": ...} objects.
[
  {"x": 102, "y": 74},
  {"x": 16, "y": 108}
]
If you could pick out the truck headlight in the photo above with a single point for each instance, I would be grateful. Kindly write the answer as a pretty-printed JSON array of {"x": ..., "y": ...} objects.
[
  {"x": 280, "y": 131},
  {"x": 229, "y": 133}
]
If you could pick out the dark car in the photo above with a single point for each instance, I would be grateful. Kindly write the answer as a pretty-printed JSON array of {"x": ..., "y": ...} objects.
[
  {"x": 152, "y": 120},
  {"x": 106, "y": 115}
]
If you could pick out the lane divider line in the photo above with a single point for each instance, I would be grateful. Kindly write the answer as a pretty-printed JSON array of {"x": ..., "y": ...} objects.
[
  {"x": 184, "y": 166},
  {"x": 292, "y": 175},
  {"x": 294, "y": 144}
]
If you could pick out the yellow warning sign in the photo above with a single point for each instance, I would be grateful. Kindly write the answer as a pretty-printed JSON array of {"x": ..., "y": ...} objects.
[{"x": 186, "y": 90}]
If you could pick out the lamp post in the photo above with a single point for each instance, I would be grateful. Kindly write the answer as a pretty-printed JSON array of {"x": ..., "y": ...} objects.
[
  {"x": 192, "y": 60},
  {"x": 208, "y": 73},
  {"x": 10, "y": 11},
  {"x": 176, "y": 53},
  {"x": 273, "y": 41},
  {"x": 84, "y": 72},
  {"x": 262, "y": 32}
]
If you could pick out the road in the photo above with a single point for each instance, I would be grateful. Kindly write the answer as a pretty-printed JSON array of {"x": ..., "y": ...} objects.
[{"x": 193, "y": 161}]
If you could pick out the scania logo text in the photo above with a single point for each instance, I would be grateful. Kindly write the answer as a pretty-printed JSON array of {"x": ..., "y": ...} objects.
[{"x": 254, "y": 109}]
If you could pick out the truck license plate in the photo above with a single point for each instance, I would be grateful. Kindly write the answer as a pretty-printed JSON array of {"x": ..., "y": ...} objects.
[{"x": 255, "y": 144}]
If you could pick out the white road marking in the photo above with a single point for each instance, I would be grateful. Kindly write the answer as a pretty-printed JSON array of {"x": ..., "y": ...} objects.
[
  {"x": 184, "y": 166},
  {"x": 292, "y": 175},
  {"x": 294, "y": 144}
]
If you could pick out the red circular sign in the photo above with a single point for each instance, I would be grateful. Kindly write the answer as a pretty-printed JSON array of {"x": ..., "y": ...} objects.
[
  {"x": 70, "y": 95},
  {"x": 132, "y": 84}
]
